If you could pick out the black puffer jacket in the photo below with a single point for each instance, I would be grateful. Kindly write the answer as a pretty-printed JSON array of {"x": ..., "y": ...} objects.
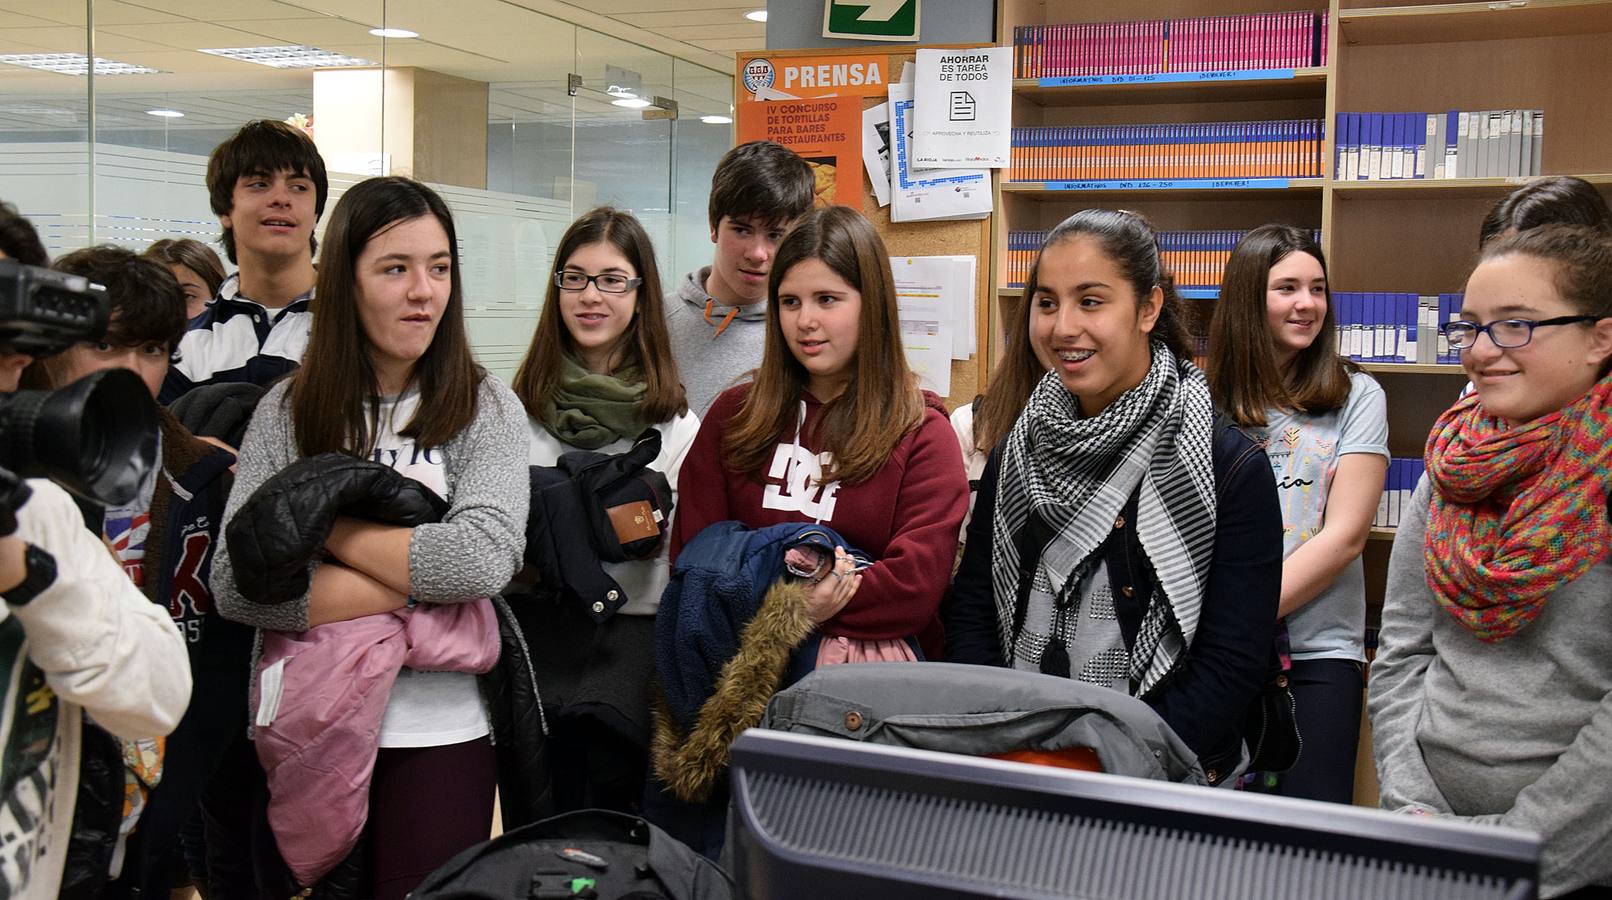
[
  {"x": 278, "y": 533},
  {"x": 274, "y": 538}
]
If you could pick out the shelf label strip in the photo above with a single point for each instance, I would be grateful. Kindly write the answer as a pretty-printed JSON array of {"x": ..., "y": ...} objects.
[
  {"x": 1172, "y": 184},
  {"x": 1168, "y": 77}
]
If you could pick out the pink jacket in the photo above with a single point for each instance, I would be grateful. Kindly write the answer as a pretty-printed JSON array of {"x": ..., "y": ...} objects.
[{"x": 320, "y": 696}]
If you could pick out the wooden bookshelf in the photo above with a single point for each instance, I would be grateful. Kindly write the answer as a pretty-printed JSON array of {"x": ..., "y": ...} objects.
[
  {"x": 1306, "y": 83},
  {"x": 1038, "y": 190},
  {"x": 1385, "y": 56},
  {"x": 1488, "y": 189},
  {"x": 1483, "y": 21},
  {"x": 1378, "y": 368}
]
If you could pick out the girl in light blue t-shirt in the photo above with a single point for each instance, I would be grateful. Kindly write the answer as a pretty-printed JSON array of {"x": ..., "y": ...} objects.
[{"x": 1275, "y": 370}]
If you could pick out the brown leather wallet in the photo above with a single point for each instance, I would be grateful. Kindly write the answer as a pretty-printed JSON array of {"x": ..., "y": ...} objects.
[{"x": 634, "y": 521}]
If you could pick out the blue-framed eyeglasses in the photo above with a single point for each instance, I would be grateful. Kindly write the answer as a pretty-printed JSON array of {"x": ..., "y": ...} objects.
[{"x": 1506, "y": 333}]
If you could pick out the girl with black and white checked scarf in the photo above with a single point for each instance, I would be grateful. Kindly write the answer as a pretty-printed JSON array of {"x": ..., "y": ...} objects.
[{"x": 1119, "y": 537}]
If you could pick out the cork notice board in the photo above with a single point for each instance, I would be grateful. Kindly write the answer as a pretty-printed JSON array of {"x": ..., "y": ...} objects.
[{"x": 971, "y": 238}]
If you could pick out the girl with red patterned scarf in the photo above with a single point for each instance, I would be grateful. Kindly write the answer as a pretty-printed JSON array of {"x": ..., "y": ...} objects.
[{"x": 1491, "y": 694}]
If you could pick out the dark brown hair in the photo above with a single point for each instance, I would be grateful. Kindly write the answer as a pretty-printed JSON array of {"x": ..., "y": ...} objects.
[
  {"x": 19, "y": 240},
  {"x": 193, "y": 255},
  {"x": 148, "y": 306},
  {"x": 1582, "y": 259},
  {"x": 1554, "y": 200},
  {"x": 263, "y": 147},
  {"x": 761, "y": 181},
  {"x": 1131, "y": 243},
  {"x": 1244, "y": 377},
  {"x": 335, "y": 395},
  {"x": 648, "y": 344},
  {"x": 880, "y": 404}
]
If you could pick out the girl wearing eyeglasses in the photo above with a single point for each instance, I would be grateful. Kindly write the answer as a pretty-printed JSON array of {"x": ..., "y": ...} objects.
[
  {"x": 1274, "y": 369},
  {"x": 598, "y": 373},
  {"x": 1491, "y": 693}
]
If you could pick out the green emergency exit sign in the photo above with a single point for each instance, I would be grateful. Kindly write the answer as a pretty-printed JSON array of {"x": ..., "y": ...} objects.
[{"x": 871, "y": 20}]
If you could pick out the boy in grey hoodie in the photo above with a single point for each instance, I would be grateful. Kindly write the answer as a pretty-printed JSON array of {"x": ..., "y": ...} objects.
[{"x": 718, "y": 328}]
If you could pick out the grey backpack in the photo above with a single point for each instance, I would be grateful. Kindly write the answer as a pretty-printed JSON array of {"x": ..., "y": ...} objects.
[{"x": 983, "y": 711}]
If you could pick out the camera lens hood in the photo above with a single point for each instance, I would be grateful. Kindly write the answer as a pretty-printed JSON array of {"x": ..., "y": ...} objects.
[{"x": 96, "y": 437}]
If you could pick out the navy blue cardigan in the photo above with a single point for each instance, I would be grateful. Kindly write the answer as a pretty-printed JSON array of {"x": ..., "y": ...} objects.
[{"x": 1206, "y": 700}]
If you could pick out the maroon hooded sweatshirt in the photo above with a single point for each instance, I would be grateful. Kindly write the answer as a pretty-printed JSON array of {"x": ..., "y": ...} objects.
[{"x": 906, "y": 516}]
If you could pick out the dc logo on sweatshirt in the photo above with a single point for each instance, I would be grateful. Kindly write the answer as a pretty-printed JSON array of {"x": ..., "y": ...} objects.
[{"x": 801, "y": 489}]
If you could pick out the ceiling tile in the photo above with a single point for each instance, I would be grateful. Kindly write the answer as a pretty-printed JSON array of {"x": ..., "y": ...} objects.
[{"x": 654, "y": 21}]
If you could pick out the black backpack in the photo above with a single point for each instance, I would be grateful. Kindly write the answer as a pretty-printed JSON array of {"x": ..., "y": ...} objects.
[{"x": 589, "y": 855}]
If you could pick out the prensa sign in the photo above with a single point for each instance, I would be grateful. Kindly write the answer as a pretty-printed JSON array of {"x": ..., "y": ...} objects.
[{"x": 805, "y": 77}]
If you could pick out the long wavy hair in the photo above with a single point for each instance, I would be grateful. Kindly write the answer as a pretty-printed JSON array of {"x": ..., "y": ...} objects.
[
  {"x": 880, "y": 404},
  {"x": 335, "y": 395},
  {"x": 1244, "y": 376},
  {"x": 647, "y": 341}
]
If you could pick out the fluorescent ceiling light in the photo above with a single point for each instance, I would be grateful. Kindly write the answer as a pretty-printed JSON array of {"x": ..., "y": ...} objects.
[
  {"x": 165, "y": 113},
  {"x": 756, "y": 15},
  {"x": 632, "y": 103},
  {"x": 717, "y": 120},
  {"x": 73, "y": 64},
  {"x": 394, "y": 33},
  {"x": 620, "y": 93},
  {"x": 299, "y": 56}
]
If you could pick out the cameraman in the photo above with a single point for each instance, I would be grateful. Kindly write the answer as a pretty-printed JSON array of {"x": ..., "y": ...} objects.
[{"x": 76, "y": 636}]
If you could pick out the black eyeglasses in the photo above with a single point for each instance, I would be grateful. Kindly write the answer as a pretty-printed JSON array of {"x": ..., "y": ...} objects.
[
  {"x": 1507, "y": 333},
  {"x": 609, "y": 282}
]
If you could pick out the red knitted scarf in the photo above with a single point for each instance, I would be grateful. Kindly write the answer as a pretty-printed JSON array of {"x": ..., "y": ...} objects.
[{"x": 1516, "y": 512}]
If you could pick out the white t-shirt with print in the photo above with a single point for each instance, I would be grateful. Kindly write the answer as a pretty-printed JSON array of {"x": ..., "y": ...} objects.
[
  {"x": 1304, "y": 452},
  {"x": 426, "y": 709}
]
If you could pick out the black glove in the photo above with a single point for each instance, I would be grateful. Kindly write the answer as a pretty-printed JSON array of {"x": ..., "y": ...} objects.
[{"x": 14, "y": 492}]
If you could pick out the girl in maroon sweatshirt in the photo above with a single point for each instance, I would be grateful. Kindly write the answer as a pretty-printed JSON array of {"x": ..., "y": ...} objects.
[{"x": 835, "y": 430}]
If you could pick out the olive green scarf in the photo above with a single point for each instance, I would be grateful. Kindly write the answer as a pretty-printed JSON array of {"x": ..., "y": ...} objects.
[{"x": 590, "y": 410}]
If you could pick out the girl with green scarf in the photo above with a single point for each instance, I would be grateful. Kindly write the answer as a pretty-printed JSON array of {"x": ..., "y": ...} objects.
[{"x": 598, "y": 373}]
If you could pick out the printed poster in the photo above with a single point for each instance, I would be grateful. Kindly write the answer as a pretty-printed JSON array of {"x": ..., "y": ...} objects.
[
  {"x": 964, "y": 102},
  {"x": 876, "y": 150},
  {"x": 826, "y": 132},
  {"x": 929, "y": 193}
]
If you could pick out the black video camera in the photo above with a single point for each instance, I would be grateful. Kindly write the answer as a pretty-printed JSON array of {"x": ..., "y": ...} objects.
[{"x": 97, "y": 437}]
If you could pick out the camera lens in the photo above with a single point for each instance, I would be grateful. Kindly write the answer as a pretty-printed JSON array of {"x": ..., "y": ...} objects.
[{"x": 97, "y": 437}]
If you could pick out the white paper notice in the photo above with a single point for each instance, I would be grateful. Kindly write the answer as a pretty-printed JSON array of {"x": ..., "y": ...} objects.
[
  {"x": 964, "y": 105},
  {"x": 938, "y": 289},
  {"x": 932, "y": 193},
  {"x": 876, "y": 149},
  {"x": 928, "y": 348}
]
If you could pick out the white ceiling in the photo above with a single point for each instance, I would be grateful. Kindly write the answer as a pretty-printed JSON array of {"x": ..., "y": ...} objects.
[{"x": 498, "y": 41}]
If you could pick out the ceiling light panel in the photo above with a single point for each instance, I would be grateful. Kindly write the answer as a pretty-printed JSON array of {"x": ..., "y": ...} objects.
[
  {"x": 73, "y": 64},
  {"x": 298, "y": 56}
]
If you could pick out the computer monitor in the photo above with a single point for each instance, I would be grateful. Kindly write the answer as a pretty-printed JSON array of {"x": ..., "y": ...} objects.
[{"x": 826, "y": 817}]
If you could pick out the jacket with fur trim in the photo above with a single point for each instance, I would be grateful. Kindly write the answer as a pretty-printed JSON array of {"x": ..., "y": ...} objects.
[
  {"x": 728, "y": 625},
  {"x": 907, "y": 516}
]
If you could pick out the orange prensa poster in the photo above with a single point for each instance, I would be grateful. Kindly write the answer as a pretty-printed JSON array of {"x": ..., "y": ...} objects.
[{"x": 826, "y": 132}]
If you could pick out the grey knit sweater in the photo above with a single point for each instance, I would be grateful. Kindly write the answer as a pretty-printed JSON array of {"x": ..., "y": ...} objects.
[
  {"x": 471, "y": 553},
  {"x": 1515, "y": 733}
]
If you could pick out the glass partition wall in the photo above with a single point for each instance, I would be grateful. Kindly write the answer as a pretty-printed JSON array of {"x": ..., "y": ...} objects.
[{"x": 521, "y": 120}]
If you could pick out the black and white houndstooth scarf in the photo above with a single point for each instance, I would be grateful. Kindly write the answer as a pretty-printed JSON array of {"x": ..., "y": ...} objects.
[{"x": 1077, "y": 474}]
